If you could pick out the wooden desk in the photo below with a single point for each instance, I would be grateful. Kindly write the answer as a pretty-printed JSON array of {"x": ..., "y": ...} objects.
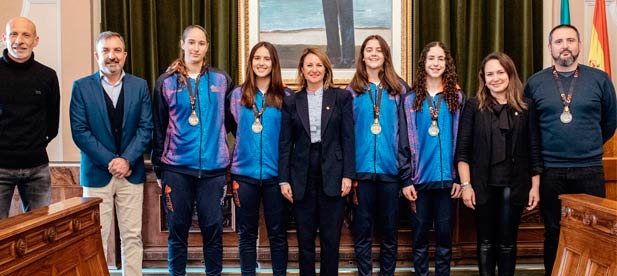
[
  {"x": 61, "y": 239},
  {"x": 588, "y": 236}
]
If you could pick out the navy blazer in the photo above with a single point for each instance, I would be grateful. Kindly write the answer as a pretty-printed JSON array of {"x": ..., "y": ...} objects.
[
  {"x": 337, "y": 141},
  {"x": 91, "y": 129}
]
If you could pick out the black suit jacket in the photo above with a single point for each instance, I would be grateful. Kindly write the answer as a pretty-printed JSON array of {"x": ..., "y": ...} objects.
[
  {"x": 473, "y": 148},
  {"x": 337, "y": 139}
]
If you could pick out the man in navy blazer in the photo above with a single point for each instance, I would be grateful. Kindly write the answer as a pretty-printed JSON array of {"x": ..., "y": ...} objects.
[{"x": 111, "y": 123}]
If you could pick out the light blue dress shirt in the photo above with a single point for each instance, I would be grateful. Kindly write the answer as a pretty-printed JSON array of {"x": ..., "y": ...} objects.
[{"x": 315, "y": 100}]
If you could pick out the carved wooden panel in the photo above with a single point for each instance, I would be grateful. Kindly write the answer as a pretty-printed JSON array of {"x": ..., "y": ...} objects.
[
  {"x": 62, "y": 239},
  {"x": 65, "y": 185},
  {"x": 588, "y": 237}
]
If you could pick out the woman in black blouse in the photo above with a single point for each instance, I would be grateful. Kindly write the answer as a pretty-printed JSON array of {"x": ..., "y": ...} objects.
[{"x": 499, "y": 162}]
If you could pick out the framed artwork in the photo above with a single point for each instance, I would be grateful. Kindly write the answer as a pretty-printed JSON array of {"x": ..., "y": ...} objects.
[{"x": 337, "y": 26}]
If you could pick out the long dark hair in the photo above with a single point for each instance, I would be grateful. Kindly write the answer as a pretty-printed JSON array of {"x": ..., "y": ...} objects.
[
  {"x": 514, "y": 91},
  {"x": 387, "y": 75},
  {"x": 448, "y": 79},
  {"x": 276, "y": 91},
  {"x": 178, "y": 65}
]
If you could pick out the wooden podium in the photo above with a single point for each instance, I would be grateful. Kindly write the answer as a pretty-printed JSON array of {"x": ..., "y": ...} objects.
[
  {"x": 61, "y": 239},
  {"x": 588, "y": 236}
]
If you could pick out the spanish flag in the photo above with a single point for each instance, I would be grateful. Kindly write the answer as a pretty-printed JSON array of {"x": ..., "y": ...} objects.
[{"x": 598, "y": 48}]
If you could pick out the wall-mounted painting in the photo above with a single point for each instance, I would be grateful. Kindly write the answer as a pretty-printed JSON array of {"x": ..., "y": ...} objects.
[{"x": 336, "y": 26}]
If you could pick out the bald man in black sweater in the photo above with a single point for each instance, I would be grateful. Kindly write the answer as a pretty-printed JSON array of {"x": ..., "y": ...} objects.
[{"x": 29, "y": 114}]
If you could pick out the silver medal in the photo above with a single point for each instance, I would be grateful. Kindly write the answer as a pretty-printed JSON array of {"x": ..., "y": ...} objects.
[
  {"x": 566, "y": 117},
  {"x": 193, "y": 120},
  {"x": 376, "y": 128},
  {"x": 257, "y": 127},
  {"x": 433, "y": 130}
]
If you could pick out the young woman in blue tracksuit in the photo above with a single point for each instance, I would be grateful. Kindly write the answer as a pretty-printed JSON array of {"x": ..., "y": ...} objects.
[
  {"x": 254, "y": 118},
  {"x": 432, "y": 111},
  {"x": 382, "y": 154},
  {"x": 190, "y": 153}
]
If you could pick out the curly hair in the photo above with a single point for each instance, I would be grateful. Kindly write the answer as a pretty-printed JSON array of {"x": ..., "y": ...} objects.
[
  {"x": 276, "y": 91},
  {"x": 448, "y": 79},
  {"x": 387, "y": 75}
]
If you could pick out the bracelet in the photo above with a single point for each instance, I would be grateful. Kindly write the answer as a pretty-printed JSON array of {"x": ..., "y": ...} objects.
[{"x": 465, "y": 185}]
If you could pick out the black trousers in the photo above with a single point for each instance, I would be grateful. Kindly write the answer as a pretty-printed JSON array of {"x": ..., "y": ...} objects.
[
  {"x": 497, "y": 223},
  {"x": 249, "y": 197},
  {"x": 317, "y": 211},
  {"x": 557, "y": 181},
  {"x": 377, "y": 208}
]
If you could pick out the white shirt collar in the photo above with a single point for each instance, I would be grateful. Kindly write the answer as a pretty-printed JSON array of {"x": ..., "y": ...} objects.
[{"x": 106, "y": 80}]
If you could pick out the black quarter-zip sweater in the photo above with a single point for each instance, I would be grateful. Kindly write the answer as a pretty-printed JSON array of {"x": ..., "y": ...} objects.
[{"x": 29, "y": 112}]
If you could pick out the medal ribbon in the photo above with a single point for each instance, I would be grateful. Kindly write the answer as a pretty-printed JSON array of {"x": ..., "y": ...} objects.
[
  {"x": 434, "y": 110},
  {"x": 193, "y": 96},
  {"x": 256, "y": 113},
  {"x": 376, "y": 102},
  {"x": 566, "y": 99}
]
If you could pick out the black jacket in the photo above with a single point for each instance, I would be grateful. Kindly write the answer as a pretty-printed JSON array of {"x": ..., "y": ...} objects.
[
  {"x": 337, "y": 139},
  {"x": 473, "y": 148},
  {"x": 29, "y": 112}
]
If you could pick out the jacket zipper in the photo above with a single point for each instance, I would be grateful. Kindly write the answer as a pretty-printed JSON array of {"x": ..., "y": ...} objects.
[
  {"x": 261, "y": 138},
  {"x": 200, "y": 131},
  {"x": 375, "y": 148},
  {"x": 440, "y": 150}
]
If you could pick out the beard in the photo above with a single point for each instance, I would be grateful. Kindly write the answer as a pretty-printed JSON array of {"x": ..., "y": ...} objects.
[{"x": 567, "y": 61}]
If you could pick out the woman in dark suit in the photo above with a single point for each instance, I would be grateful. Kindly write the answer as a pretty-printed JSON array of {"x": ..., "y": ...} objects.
[
  {"x": 316, "y": 159},
  {"x": 499, "y": 162}
]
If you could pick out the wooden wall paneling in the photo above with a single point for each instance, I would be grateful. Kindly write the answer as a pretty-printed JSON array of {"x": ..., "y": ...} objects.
[{"x": 464, "y": 249}]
